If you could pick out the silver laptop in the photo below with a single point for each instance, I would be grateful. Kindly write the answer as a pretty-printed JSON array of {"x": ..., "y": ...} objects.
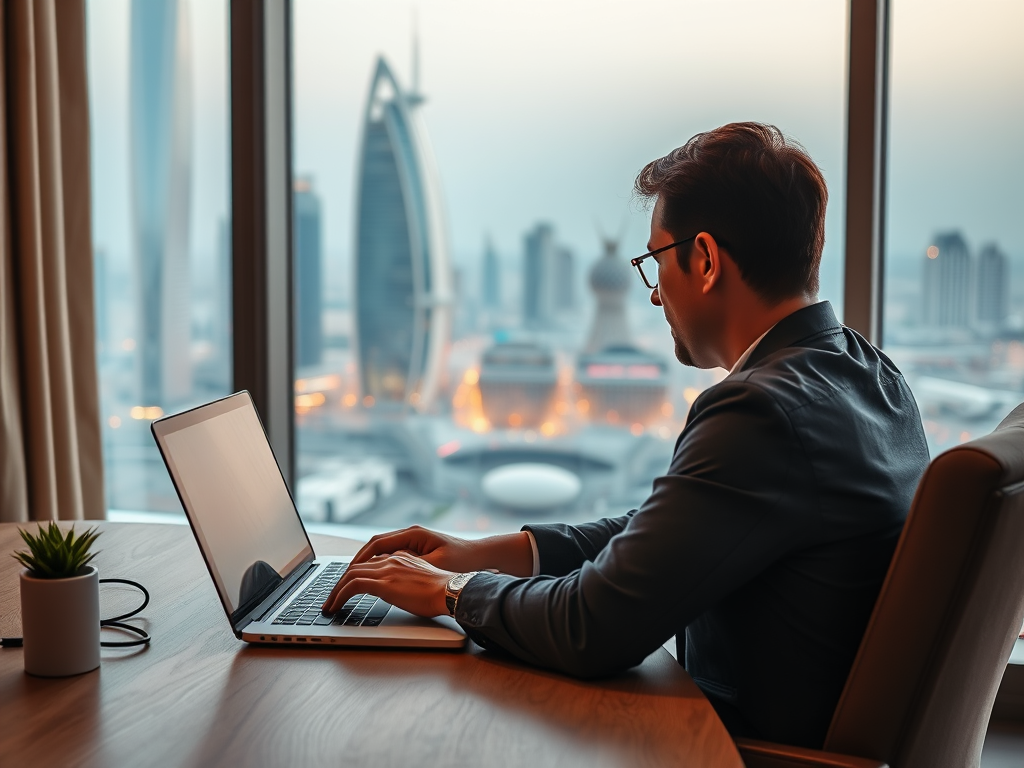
[{"x": 252, "y": 538}]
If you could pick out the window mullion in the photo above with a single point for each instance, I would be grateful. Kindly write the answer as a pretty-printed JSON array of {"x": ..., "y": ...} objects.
[
  {"x": 867, "y": 128},
  {"x": 261, "y": 215}
]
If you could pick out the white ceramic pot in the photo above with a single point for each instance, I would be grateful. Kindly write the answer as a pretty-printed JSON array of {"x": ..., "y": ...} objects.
[{"x": 60, "y": 624}]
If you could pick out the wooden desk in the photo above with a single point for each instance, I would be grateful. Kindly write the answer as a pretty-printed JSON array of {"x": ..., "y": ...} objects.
[{"x": 199, "y": 697}]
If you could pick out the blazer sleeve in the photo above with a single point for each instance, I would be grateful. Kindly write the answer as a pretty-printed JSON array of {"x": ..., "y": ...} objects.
[
  {"x": 718, "y": 518},
  {"x": 564, "y": 548}
]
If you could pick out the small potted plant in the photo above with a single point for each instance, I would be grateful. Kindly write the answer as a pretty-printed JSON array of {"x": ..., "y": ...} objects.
[{"x": 60, "y": 602}]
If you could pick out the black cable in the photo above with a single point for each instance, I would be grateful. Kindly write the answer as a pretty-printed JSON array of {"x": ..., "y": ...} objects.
[{"x": 117, "y": 622}]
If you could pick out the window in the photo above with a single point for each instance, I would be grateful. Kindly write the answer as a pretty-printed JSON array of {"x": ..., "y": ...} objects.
[
  {"x": 954, "y": 277},
  {"x": 159, "y": 124},
  {"x": 472, "y": 351}
]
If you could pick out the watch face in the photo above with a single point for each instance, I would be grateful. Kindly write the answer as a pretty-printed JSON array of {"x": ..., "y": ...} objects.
[{"x": 460, "y": 581}]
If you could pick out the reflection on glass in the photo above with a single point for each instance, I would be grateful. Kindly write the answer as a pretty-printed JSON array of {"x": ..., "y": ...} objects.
[
  {"x": 158, "y": 104},
  {"x": 260, "y": 578},
  {"x": 488, "y": 355},
  {"x": 955, "y": 239}
]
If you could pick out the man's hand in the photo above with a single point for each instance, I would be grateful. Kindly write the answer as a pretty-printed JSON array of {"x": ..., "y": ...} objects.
[
  {"x": 402, "y": 579},
  {"x": 510, "y": 553}
]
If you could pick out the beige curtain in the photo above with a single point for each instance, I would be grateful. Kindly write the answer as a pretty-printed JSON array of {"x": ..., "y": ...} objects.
[{"x": 51, "y": 464}]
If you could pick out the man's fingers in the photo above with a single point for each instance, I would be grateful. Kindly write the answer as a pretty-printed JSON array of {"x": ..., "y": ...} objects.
[
  {"x": 386, "y": 543},
  {"x": 370, "y": 577},
  {"x": 416, "y": 585},
  {"x": 355, "y": 587},
  {"x": 351, "y": 585},
  {"x": 379, "y": 545},
  {"x": 354, "y": 571}
]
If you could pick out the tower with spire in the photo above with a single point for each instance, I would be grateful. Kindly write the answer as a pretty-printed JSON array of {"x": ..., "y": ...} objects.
[
  {"x": 610, "y": 279},
  {"x": 403, "y": 278}
]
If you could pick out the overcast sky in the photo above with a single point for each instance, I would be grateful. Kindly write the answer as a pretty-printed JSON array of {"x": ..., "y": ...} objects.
[{"x": 545, "y": 110}]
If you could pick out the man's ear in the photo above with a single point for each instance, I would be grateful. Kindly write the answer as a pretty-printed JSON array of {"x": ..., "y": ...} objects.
[{"x": 709, "y": 260}]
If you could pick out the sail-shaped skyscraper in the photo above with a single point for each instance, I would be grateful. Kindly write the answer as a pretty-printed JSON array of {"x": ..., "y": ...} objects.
[{"x": 402, "y": 275}]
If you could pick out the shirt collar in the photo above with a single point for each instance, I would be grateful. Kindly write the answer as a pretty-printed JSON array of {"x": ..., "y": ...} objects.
[{"x": 743, "y": 358}]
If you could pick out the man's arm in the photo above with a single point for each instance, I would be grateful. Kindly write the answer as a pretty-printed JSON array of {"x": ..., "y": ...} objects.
[
  {"x": 564, "y": 548},
  {"x": 716, "y": 520}
]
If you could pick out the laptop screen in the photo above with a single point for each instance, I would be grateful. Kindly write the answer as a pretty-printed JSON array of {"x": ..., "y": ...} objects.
[{"x": 235, "y": 497}]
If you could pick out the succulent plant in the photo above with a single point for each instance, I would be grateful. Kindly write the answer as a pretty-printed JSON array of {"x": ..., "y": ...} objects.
[{"x": 52, "y": 555}]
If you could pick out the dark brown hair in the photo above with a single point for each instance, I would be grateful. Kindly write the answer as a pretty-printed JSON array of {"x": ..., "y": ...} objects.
[{"x": 757, "y": 193}]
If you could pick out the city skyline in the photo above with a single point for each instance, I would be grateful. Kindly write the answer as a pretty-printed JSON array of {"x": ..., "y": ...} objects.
[{"x": 989, "y": 74}]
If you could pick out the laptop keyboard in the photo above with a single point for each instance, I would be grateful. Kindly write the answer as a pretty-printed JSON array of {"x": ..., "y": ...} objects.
[{"x": 359, "y": 611}]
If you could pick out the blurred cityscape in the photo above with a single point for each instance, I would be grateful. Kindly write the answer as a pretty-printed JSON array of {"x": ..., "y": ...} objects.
[
  {"x": 473, "y": 394},
  {"x": 953, "y": 325}
]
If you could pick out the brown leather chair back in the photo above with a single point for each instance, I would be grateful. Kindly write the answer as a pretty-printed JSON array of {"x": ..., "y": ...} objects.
[{"x": 921, "y": 689}]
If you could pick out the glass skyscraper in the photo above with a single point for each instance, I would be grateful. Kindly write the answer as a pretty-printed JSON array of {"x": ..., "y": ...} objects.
[
  {"x": 993, "y": 287},
  {"x": 402, "y": 273},
  {"x": 161, "y": 156},
  {"x": 947, "y": 282},
  {"x": 309, "y": 335}
]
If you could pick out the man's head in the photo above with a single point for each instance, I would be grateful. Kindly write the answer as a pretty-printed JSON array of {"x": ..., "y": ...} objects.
[{"x": 755, "y": 205}]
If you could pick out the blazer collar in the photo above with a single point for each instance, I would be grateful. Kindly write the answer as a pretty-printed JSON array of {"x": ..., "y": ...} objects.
[{"x": 802, "y": 324}]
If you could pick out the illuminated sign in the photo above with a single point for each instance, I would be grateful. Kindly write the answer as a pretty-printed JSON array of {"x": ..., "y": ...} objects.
[{"x": 619, "y": 371}]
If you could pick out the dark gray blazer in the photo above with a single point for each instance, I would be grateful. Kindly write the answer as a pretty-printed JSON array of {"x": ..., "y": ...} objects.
[{"x": 762, "y": 548}]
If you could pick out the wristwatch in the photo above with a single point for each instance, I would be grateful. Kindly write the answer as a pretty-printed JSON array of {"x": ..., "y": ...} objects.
[{"x": 453, "y": 588}]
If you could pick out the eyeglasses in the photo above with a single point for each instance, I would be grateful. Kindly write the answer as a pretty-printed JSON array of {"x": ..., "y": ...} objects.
[{"x": 638, "y": 261}]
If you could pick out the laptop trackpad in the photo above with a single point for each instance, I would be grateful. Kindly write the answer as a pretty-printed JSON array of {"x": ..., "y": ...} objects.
[{"x": 398, "y": 618}]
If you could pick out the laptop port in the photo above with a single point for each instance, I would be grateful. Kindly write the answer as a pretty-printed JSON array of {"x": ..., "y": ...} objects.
[{"x": 315, "y": 639}]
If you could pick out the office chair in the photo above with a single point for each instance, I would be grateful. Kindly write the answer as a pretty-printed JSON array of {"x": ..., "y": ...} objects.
[{"x": 921, "y": 688}]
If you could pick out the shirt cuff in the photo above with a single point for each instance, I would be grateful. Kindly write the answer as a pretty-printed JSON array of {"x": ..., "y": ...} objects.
[{"x": 536, "y": 554}]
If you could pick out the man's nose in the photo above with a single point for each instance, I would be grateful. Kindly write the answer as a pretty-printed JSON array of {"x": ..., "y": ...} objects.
[{"x": 655, "y": 298}]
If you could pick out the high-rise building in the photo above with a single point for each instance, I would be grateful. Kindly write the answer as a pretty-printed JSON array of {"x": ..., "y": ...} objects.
[
  {"x": 993, "y": 295},
  {"x": 610, "y": 279},
  {"x": 548, "y": 277},
  {"x": 212, "y": 366},
  {"x": 402, "y": 273},
  {"x": 309, "y": 337},
  {"x": 565, "y": 279},
  {"x": 161, "y": 157},
  {"x": 490, "y": 278},
  {"x": 538, "y": 254},
  {"x": 946, "y": 300}
]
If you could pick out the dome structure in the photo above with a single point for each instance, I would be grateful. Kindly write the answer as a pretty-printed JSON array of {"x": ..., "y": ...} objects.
[
  {"x": 531, "y": 486},
  {"x": 610, "y": 280},
  {"x": 610, "y": 274}
]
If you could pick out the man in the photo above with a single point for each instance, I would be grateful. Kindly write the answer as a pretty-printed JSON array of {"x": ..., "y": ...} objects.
[{"x": 764, "y": 546}]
